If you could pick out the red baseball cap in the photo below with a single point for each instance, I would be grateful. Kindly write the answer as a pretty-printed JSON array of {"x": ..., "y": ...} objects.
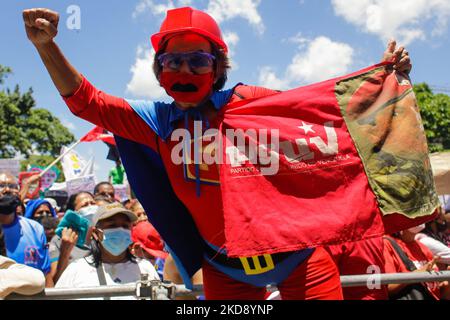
[
  {"x": 187, "y": 19},
  {"x": 149, "y": 239}
]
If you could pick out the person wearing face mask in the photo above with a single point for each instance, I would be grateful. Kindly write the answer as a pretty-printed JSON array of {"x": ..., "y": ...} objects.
[
  {"x": 25, "y": 239},
  {"x": 403, "y": 253},
  {"x": 435, "y": 238},
  {"x": 63, "y": 249},
  {"x": 38, "y": 209},
  {"x": 110, "y": 261},
  {"x": 191, "y": 64},
  {"x": 54, "y": 205},
  {"x": 50, "y": 224}
]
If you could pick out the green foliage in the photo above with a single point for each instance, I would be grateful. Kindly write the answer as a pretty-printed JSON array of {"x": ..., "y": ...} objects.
[
  {"x": 4, "y": 71},
  {"x": 435, "y": 113},
  {"x": 25, "y": 129}
]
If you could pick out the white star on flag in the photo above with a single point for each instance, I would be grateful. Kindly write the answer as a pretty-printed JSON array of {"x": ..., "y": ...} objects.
[{"x": 307, "y": 128}]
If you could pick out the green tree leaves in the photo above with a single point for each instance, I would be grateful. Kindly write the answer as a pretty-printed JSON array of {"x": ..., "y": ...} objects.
[
  {"x": 25, "y": 129},
  {"x": 435, "y": 113}
]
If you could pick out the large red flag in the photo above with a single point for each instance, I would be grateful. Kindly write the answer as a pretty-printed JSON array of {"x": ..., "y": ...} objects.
[
  {"x": 322, "y": 164},
  {"x": 99, "y": 134}
]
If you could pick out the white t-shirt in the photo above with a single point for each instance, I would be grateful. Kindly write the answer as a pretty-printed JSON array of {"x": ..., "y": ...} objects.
[
  {"x": 436, "y": 247},
  {"x": 19, "y": 278},
  {"x": 81, "y": 274}
]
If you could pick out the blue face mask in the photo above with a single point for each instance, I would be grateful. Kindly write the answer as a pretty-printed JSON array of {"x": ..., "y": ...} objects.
[
  {"x": 116, "y": 240},
  {"x": 88, "y": 213}
]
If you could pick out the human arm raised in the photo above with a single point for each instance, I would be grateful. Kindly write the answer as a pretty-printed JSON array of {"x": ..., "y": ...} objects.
[
  {"x": 41, "y": 26},
  {"x": 83, "y": 99}
]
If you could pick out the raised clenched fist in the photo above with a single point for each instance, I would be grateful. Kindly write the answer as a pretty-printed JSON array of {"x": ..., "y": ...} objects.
[
  {"x": 41, "y": 25},
  {"x": 399, "y": 56}
]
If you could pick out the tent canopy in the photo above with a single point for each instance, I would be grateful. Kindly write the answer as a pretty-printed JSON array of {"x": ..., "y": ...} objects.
[{"x": 440, "y": 163}]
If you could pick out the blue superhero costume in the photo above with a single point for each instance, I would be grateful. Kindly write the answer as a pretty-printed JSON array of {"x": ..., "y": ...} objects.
[{"x": 150, "y": 182}]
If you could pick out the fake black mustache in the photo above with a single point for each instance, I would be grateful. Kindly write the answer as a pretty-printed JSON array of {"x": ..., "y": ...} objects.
[{"x": 184, "y": 87}]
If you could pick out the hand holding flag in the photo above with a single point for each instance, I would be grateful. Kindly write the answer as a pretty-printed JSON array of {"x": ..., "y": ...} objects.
[{"x": 400, "y": 57}]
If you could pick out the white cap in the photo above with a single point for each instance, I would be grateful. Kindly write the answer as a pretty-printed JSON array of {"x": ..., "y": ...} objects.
[{"x": 53, "y": 203}]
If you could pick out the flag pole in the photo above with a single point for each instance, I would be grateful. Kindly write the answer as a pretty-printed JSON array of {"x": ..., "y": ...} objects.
[{"x": 60, "y": 157}]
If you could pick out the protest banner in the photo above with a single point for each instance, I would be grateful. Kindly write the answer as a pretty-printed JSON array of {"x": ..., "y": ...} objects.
[
  {"x": 10, "y": 165},
  {"x": 60, "y": 196},
  {"x": 121, "y": 191},
  {"x": 73, "y": 164},
  {"x": 445, "y": 201},
  {"x": 49, "y": 177},
  {"x": 79, "y": 184},
  {"x": 33, "y": 190}
]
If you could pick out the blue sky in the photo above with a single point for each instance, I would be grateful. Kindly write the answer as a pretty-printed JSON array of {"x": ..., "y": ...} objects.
[{"x": 278, "y": 44}]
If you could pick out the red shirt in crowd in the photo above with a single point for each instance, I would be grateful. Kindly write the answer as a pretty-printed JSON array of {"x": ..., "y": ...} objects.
[{"x": 418, "y": 253}]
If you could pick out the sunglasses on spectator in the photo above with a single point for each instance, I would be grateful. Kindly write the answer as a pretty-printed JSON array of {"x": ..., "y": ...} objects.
[
  {"x": 196, "y": 60},
  {"x": 12, "y": 186}
]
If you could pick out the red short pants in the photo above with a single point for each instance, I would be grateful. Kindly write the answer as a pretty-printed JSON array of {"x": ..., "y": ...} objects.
[
  {"x": 360, "y": 257},
  {"x": 316, "y": 278}
]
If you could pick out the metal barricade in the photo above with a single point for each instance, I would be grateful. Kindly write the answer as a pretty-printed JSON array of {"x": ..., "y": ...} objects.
[
  {"x": 160, "y": 290},
  {"x": 143, "y": 290},
  {"x": 387, "y": 278}
]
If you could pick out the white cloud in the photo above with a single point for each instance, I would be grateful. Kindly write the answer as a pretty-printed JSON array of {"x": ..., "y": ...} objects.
[
  {"x": 318, "y": 59},
  {"x": 223, "y": 10},
  {"x": 298, "y": 39},
  {"x": 68, "y": 124},
  {"x": 143, "y": 83},
  {"x": 403, "y": 20},
  {"x": 267, "y": 78},
  {"x": 323, "y": 59},
  {"x": 158, "y": 9},
  {"x": 231, "y": 39}
]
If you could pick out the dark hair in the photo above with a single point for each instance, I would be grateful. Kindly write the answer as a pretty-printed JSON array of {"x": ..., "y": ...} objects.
[
  {"x": 396, "y": 235},
  {"x": 96, "y": 254},
  {"x": 221, "y": 64},
  {"x": 23, "y": 208},
  {"x": 429, "y": 232},
  {"x": 97, "y": 187},
  {"x": 2, "y": 243},
  {"x": 70, "y": 205}
]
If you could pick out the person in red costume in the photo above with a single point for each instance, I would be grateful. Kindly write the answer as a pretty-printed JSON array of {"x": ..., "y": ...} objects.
[{"x": 191, "y": 65}]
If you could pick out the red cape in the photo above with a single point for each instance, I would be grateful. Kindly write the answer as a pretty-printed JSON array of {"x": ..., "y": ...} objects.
[{"x": 351, "y": 155}]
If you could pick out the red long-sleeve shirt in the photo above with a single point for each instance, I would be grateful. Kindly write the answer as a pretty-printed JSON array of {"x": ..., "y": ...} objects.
[{"x": 117, "y": 116}]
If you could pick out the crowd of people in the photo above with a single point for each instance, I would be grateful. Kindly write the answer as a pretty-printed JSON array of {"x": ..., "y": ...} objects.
[{"x": 94, "y": 239}]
